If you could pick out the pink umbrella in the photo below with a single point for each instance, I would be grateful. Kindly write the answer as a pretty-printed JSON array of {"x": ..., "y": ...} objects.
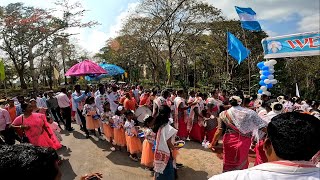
[{"x": 84, "y": 68}]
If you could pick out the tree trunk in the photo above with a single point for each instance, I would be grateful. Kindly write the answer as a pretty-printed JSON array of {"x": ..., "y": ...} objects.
[
  {"x": 23, "y": 83},
  {"x": 32, "y": 71}
]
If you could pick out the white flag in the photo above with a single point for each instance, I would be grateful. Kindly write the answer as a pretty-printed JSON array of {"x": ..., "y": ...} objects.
[{"x": 297, "y": 90}]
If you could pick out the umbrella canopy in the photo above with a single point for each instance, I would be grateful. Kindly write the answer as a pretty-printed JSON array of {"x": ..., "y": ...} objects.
[
  {"x": 112, "y": 70},
  {"x": 85, "y": 67}
]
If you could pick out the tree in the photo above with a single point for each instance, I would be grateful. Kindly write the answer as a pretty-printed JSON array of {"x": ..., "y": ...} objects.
[
  {"x": 177, "y": 21},
  {"x": 26, "y": 31}
]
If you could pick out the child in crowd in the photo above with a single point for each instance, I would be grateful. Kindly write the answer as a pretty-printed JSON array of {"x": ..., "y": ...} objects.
[
  {"x": 210, "y": 124},
  {"x": 107, "y": 122},
  {"x": 147, "y": 153},
  {"x": 133, "y": 142},
  {"x": 92, "y": 117},
  {"x": 55, "y": 128},
  {"x": 118, "y": 130}
]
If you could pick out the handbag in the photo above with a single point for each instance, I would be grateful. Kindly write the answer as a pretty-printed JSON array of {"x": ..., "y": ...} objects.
[{"x": 24, "y": 138}]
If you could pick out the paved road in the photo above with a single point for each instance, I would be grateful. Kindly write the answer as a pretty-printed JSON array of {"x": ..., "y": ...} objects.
[{"x": 91, "y": 155}]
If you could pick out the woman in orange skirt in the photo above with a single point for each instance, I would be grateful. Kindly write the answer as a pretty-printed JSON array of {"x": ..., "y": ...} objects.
[
  {"x": 107, "y": 123},
  {"x": 118, "y": 130},
  {"x": 133, "y": 142},
  {"x": 147, "y": 153},
  {"x": 92, "y": 117}
]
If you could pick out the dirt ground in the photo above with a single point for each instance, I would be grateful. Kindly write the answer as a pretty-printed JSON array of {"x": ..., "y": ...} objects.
[{"x": 84, "y": 156}]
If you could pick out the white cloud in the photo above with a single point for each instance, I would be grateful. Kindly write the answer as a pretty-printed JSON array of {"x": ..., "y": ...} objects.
[
  {"x": 114, "y": 30},
  {"x": 93, "y": 39},
  {"x": 310, "y": 23},
  {"x": 275, "y": 10}
]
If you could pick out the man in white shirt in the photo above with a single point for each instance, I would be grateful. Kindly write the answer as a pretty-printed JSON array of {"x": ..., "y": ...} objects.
[
  {"x": 101, "y": 99},
  {"x": 64, "y": 104},
  {"x": 40, "y": 102},
  {"x": 4, "y": 124},
  {"x": 114, "y": 99},
  {"x": 159, "y": 101},
  {"x": 292, "y": 148}
]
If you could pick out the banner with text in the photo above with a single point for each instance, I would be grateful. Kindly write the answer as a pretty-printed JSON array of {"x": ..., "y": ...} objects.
[{"x": 302, "y": 44}]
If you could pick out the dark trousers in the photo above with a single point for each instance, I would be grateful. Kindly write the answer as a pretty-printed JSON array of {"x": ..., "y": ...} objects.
[
  {"x": 57, "y": 115},
  {"x": 66, "y": 113},
  {"x": 83, "y": 121}
]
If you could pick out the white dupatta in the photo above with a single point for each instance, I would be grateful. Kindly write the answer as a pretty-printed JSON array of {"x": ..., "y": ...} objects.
[
  {"x": 246, "y": 120},
  {"x": 162, "y": 151}
]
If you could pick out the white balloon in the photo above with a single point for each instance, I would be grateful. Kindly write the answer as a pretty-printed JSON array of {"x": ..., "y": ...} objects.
[
  {"x": 267, "y": 93},
  {"x": 274, "y": 81},
  {"x": 267, "y": 63},
  {"x": 271, "y": 71},
  {"x": 260, "y": 72},
  {"x": 273, "y": 62},
  {"x": 271, "y": 77},
  {"x": 267, "y": 81},
  {"x": 263, "y": 88}
]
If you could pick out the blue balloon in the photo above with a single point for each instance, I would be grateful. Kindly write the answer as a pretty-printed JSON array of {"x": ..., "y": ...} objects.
[
  {"x": 265, "y": 68},
  {"x": 264, "y": 77},
  {"x": 261, "y": 83},
  {"x": 266, "y": 73},
  {"x": 260, "y": 65},
  {"x": 260, "y": 91},
  {"x": 269, "y": 86}
]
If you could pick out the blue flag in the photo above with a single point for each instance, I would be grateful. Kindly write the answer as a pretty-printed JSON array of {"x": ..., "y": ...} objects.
[
  {"x": 236, "y": 49},
  {"x": 248, "y": 19}
]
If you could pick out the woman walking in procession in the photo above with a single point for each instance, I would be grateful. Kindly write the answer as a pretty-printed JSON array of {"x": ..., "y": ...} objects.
[
  {"x": 239, "y": 124},
  {"x": 36, "y": 128},
  {"x": 164, "y": 151}
]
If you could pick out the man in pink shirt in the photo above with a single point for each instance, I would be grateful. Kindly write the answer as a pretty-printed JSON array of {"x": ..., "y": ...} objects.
[{"x": 64, "y": 104}]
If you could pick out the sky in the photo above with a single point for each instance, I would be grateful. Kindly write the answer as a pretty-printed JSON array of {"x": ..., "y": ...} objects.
[{"x": 277, "y": 17}]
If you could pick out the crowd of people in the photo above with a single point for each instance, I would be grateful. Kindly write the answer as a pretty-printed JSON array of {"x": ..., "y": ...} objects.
[{"x": 279, "y": 129}]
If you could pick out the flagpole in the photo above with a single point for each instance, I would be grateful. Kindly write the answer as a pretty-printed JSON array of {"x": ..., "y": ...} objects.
[
  {"x": 227, "y": 56},
  {"x": 245, "y": 42}
]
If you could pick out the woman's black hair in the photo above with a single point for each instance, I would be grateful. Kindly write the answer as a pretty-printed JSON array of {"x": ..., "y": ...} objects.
[
  {"x": 147, "y": 121},
  {"x": 278, "y": 107},
  {"x": 118, "y": 113},
  {"x": 89, "y": 100},
  {"x": 104, "y": 106},
  {"x": 233, "y": 102},
  {"x": 204, "y": 113},
  {"x": 128, "y": 112},
  {"x": 162, "y": 118},
  {"x": 24, "y": 106}
]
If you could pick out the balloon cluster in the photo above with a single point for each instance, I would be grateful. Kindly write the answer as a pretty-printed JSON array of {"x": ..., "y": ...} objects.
[{"x": 266, "y": 76}]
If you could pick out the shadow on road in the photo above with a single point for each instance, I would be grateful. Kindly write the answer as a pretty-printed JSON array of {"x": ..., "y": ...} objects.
[
  {"x": 78, "y": 135},
  {"x": 189, "y": 173},
  {"x": 67, "y": 171},
  {"x": 194, "y": 145},
  {"x": 114, "y": 157},
  {"x": 64, "y": 151}
]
